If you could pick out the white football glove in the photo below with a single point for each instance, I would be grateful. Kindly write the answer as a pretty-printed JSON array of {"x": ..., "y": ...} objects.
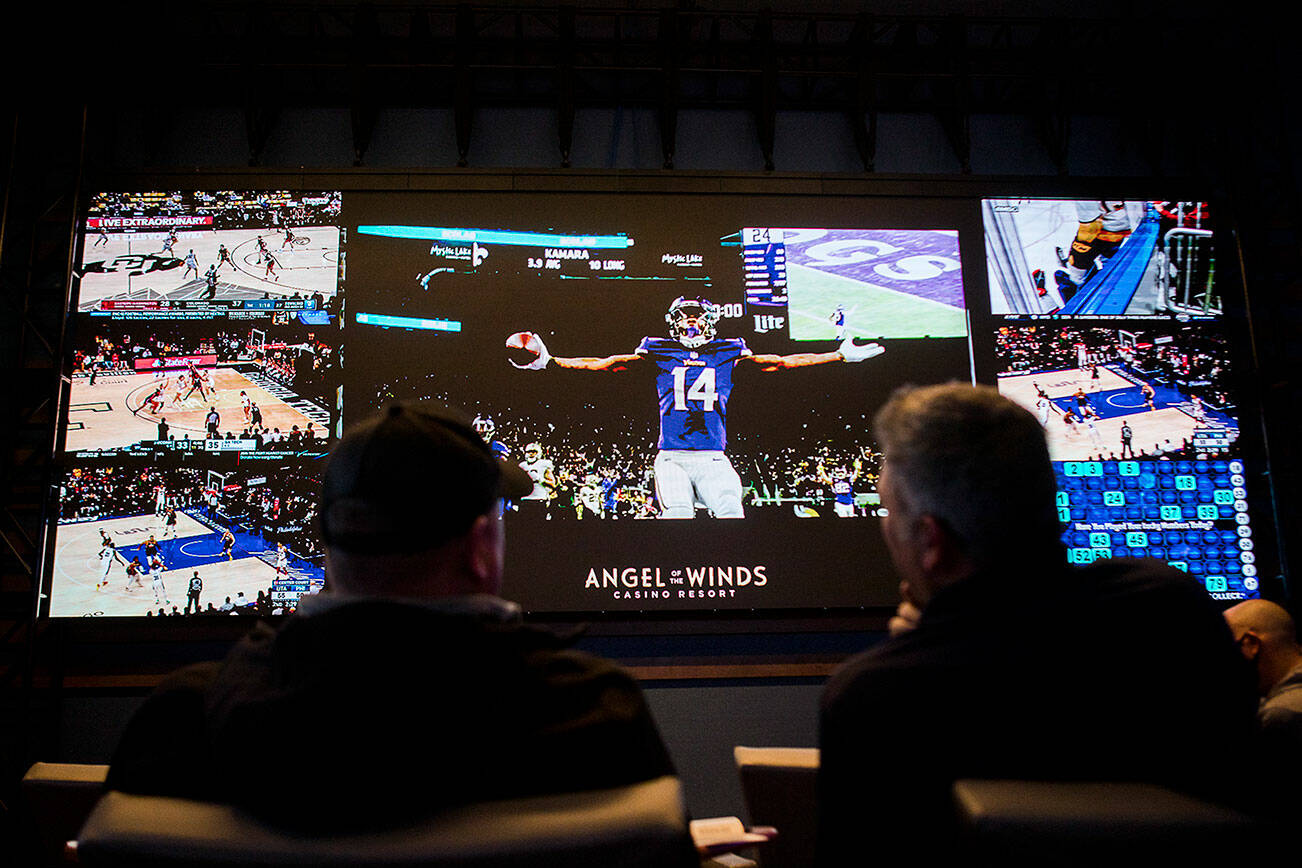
[
  {"x": 855, "y": 353},
  {"x": 544, "y": 357}
]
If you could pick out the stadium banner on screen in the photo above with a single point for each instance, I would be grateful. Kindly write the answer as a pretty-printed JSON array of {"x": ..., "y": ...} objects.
[{"x": 168, "y": 362}]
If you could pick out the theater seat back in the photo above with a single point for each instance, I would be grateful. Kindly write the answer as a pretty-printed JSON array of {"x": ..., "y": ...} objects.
[{"x": 640, "y": 826}]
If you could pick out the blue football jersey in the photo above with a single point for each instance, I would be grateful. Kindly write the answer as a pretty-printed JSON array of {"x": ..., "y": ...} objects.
[{"x": 694, "y": 386}]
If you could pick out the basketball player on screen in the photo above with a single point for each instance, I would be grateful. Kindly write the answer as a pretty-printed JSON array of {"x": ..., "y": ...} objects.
[
  {"x": 169, "y": 524},
  {"x": 271, "y": 267},
  {"x": 133, "y": 575},
  {"x": 153, "y": 403},
  {"x": 210, "y": 284},
  {"x": 108, "y": 553},
  {"x": 160, "y": 590},
  {"x": 1148, "y": 393},
  {"x": 694, "y": 382}
]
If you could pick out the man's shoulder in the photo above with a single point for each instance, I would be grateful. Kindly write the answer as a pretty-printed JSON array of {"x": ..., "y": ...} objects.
[
  {"x": 1283, "y": 704},
  {"x": 896, "y": 665},
  {"x": 1134, "y": 588}
]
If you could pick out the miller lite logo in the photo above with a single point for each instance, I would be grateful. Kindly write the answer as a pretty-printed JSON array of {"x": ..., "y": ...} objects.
[{"x": 765, "y": 322}]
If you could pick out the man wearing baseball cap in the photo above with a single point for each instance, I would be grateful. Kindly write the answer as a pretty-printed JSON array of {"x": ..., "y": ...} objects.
[{"x": 408, "y": 684}]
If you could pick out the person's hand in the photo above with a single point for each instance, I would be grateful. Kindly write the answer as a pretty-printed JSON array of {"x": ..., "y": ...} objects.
[
  {"x": 852, "y": 352},
  {"x": 907, "y": 613}
]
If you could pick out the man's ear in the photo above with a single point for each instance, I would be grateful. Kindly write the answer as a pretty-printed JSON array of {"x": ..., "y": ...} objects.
[
  {"x": 484, "y": 552},
  {"x": 935, "y": 545},
  {"x": 1250, "y": 645}
]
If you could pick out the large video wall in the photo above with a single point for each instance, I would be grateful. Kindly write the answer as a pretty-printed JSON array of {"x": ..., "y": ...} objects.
[{"x": 690, "y": 380}]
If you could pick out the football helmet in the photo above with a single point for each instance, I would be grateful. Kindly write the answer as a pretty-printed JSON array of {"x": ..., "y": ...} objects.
[
  {"x": 484, "y": 426},
  {"x": 533, "y": 451},
  {"x": 692, "y": 321}
]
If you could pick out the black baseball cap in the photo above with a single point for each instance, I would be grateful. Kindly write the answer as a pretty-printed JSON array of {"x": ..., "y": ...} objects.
[{"x": 411, "y": 479}]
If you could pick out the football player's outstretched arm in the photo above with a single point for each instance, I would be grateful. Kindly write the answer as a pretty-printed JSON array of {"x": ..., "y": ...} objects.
[
  {"x": 531, "y": 341},
  {"x": 619, "y": 362},
  {"x": 847, "y": 352}
]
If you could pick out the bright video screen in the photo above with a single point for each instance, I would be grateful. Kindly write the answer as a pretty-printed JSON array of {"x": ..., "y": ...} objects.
[
  {"x": 690, "y": 384},
  {"x": 205, "y": 390},
  {"x": 1123, "y": 353},
  {"x": 690, "y": 379}
]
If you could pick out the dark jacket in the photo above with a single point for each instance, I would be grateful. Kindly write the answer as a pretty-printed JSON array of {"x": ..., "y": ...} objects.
[
  {"x": 1124, "y": 670},
  {"x": 371, "y": 712}
]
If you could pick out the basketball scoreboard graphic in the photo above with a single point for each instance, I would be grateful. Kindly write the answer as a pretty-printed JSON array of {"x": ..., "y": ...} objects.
[
  {"x": 1192, "y": 514},
  {"x": 166, "y": 308}
]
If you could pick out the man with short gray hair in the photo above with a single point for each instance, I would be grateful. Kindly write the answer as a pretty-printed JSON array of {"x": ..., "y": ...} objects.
[{"x": 1006, "y": 662}]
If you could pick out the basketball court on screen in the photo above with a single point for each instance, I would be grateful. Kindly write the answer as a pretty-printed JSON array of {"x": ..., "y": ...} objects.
[
  {"x": 77, "y": 567},
  {"x": 112, "y": 413},
  {"x": 1116, "y": 400},
  {"x": 132, "y": 265}
]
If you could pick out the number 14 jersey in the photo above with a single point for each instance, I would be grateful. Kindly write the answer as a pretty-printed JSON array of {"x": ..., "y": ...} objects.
[{"x": 694, "y": 386}]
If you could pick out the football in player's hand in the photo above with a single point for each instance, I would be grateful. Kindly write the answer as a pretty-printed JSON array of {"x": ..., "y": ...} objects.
[{"x": 525, "y": 350}]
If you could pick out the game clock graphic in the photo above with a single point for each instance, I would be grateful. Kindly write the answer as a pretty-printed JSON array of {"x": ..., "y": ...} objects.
[{"x": 687, "y": 454}]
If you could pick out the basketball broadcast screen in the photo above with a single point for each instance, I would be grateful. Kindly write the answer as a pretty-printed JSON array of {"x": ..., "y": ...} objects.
[{"x": 689, "y": 379}]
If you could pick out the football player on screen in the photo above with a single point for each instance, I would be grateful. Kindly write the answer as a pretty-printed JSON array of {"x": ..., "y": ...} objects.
[
  {"x": 694, "y": 382},
  {"x": 543, "y": 473},
  {"x": 486, "y": 428},
  {"x": 841, "y": 481}
]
